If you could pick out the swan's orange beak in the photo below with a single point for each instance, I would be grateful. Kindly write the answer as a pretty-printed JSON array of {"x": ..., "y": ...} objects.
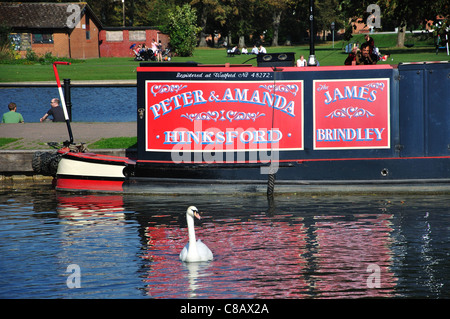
[{"x": 196, "y": 214}]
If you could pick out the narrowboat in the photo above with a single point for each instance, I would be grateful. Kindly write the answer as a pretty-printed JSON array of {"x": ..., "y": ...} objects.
[{"x": 276, "y": 127}]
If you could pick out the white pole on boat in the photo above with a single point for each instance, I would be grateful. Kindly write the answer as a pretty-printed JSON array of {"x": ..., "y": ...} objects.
[
  {"x": 312, "y": 58},
  {"x": 446, "y": 40},
  {"x": 61, "y": 95}
]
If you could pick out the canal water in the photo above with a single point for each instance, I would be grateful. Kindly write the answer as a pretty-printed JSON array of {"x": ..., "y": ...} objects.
[
  {"x": 89, "y": 104},
  {"x": 73, "y": 245}
]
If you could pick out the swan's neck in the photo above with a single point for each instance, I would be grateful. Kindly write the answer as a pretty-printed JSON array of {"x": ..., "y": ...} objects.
[{"x": 191, "y": 232}]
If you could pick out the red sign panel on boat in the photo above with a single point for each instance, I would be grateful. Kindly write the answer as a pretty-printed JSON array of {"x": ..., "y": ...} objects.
[
  {"x": 224, "y": 115},
  {"x": 351, "y": 114}
]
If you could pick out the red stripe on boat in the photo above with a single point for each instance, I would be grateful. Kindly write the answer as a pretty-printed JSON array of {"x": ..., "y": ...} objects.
[{"x": 91, "y": 185}]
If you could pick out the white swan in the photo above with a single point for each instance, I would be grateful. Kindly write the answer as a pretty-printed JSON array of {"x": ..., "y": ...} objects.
[{"x": 194, "y": 251}]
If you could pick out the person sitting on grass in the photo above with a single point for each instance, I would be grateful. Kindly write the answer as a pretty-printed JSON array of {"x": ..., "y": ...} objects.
[
  {"x": 351, "y": 59},
  {"x": 12, "y": 116},
  {"x": 365, "y": 57}
]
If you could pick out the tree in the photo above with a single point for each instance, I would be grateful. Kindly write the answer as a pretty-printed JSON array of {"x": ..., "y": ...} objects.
[
  {"x": 207, "y": 9},
  {"x": 5, "y": 41},
  {"x": 154, "y": 12},
  {"x": 183, "y": 30},
  {"x": 409, "y": 14},
  {"x": 401, "y": 13},
  {"x": 277, "y": 7},
  {"x": 326, "y": 12},
  {"x": 238, "y": 19}
]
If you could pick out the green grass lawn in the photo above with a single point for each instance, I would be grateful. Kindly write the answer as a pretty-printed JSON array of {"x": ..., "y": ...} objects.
[
  {"x": 104, "y": 143},
  {"x": 115, "y": 142},
  {"x": 7, "y": 140},
  {"x": 125, "y": 68}
]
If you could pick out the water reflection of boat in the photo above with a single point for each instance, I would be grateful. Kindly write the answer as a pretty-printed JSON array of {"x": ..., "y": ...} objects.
[
  {"x": 233, "y": 129},
  {"x": 348, "y": 249},
  {"x": 323, "y": 247},
  {"x": 278, "y": 257},
  {"x": 89, "y": 208}
]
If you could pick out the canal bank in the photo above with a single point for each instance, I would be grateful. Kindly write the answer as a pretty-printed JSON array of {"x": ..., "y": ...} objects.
[{"x": 16, "y": 157}]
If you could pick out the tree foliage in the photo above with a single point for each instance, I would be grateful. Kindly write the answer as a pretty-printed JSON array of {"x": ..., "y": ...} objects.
[
  {"x": 402, "y": 14},
  {"x": 4, "y": 37},
  {"x": 245, "y": 22},
  {"x": 183, "y": 30}
]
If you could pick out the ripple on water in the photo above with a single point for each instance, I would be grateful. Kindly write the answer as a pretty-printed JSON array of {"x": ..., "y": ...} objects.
[{"x": 307, "y": 247}]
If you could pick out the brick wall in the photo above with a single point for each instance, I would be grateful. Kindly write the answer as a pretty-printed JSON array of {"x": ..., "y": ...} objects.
[
  {"x": 114, "y": 42},
  {"x": 80, "y": 46},
  {"x": 59, "y": 47},
  {"x": 117, "y": 42}
]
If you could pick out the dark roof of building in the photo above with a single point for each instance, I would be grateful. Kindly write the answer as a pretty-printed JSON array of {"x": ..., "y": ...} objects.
[{"x": 41, "y": 15}]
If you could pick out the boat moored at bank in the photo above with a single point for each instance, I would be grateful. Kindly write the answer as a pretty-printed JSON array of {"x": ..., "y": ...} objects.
[{"x": 240, "y": 128}]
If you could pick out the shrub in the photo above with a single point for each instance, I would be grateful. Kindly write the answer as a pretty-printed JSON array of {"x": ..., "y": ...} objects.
[
  {"x": 183, "y": 30},
  {"x": 31, "y": 56},
  {"x": 6, "y": 54},
  {"x": 9, "y": 56}
]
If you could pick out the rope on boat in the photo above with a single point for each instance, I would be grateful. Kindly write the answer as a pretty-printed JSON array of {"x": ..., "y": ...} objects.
[
  {"x": 271, "y": 178},
  {"x": 270, "y": 185},
  {"x": 270, "y": 198}
]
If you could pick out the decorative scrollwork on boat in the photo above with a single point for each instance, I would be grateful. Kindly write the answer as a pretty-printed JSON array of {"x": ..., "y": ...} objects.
[
  {"x": 202, "y": 116},
  {"x": 242, "y": 116},
  {"x": 350, "y": 112},
  {"x": 284, "y": 88},
  {"x": 375, "y": 85},
  {"x": 156, "y": 89}
]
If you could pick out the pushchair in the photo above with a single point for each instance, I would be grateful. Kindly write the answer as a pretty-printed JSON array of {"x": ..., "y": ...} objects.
[
  {"x": 142, "y": 54},
  {"x": 137, "y": 56},
  {"x": 148, "y": 55},
  {"x": 136, "y": 53},
  {"x": 166, "y": 55}
]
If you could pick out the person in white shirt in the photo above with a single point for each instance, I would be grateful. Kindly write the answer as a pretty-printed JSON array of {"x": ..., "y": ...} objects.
[
  {"x": 255, "y": 50},
  {"x": 262, "y": 49}
]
